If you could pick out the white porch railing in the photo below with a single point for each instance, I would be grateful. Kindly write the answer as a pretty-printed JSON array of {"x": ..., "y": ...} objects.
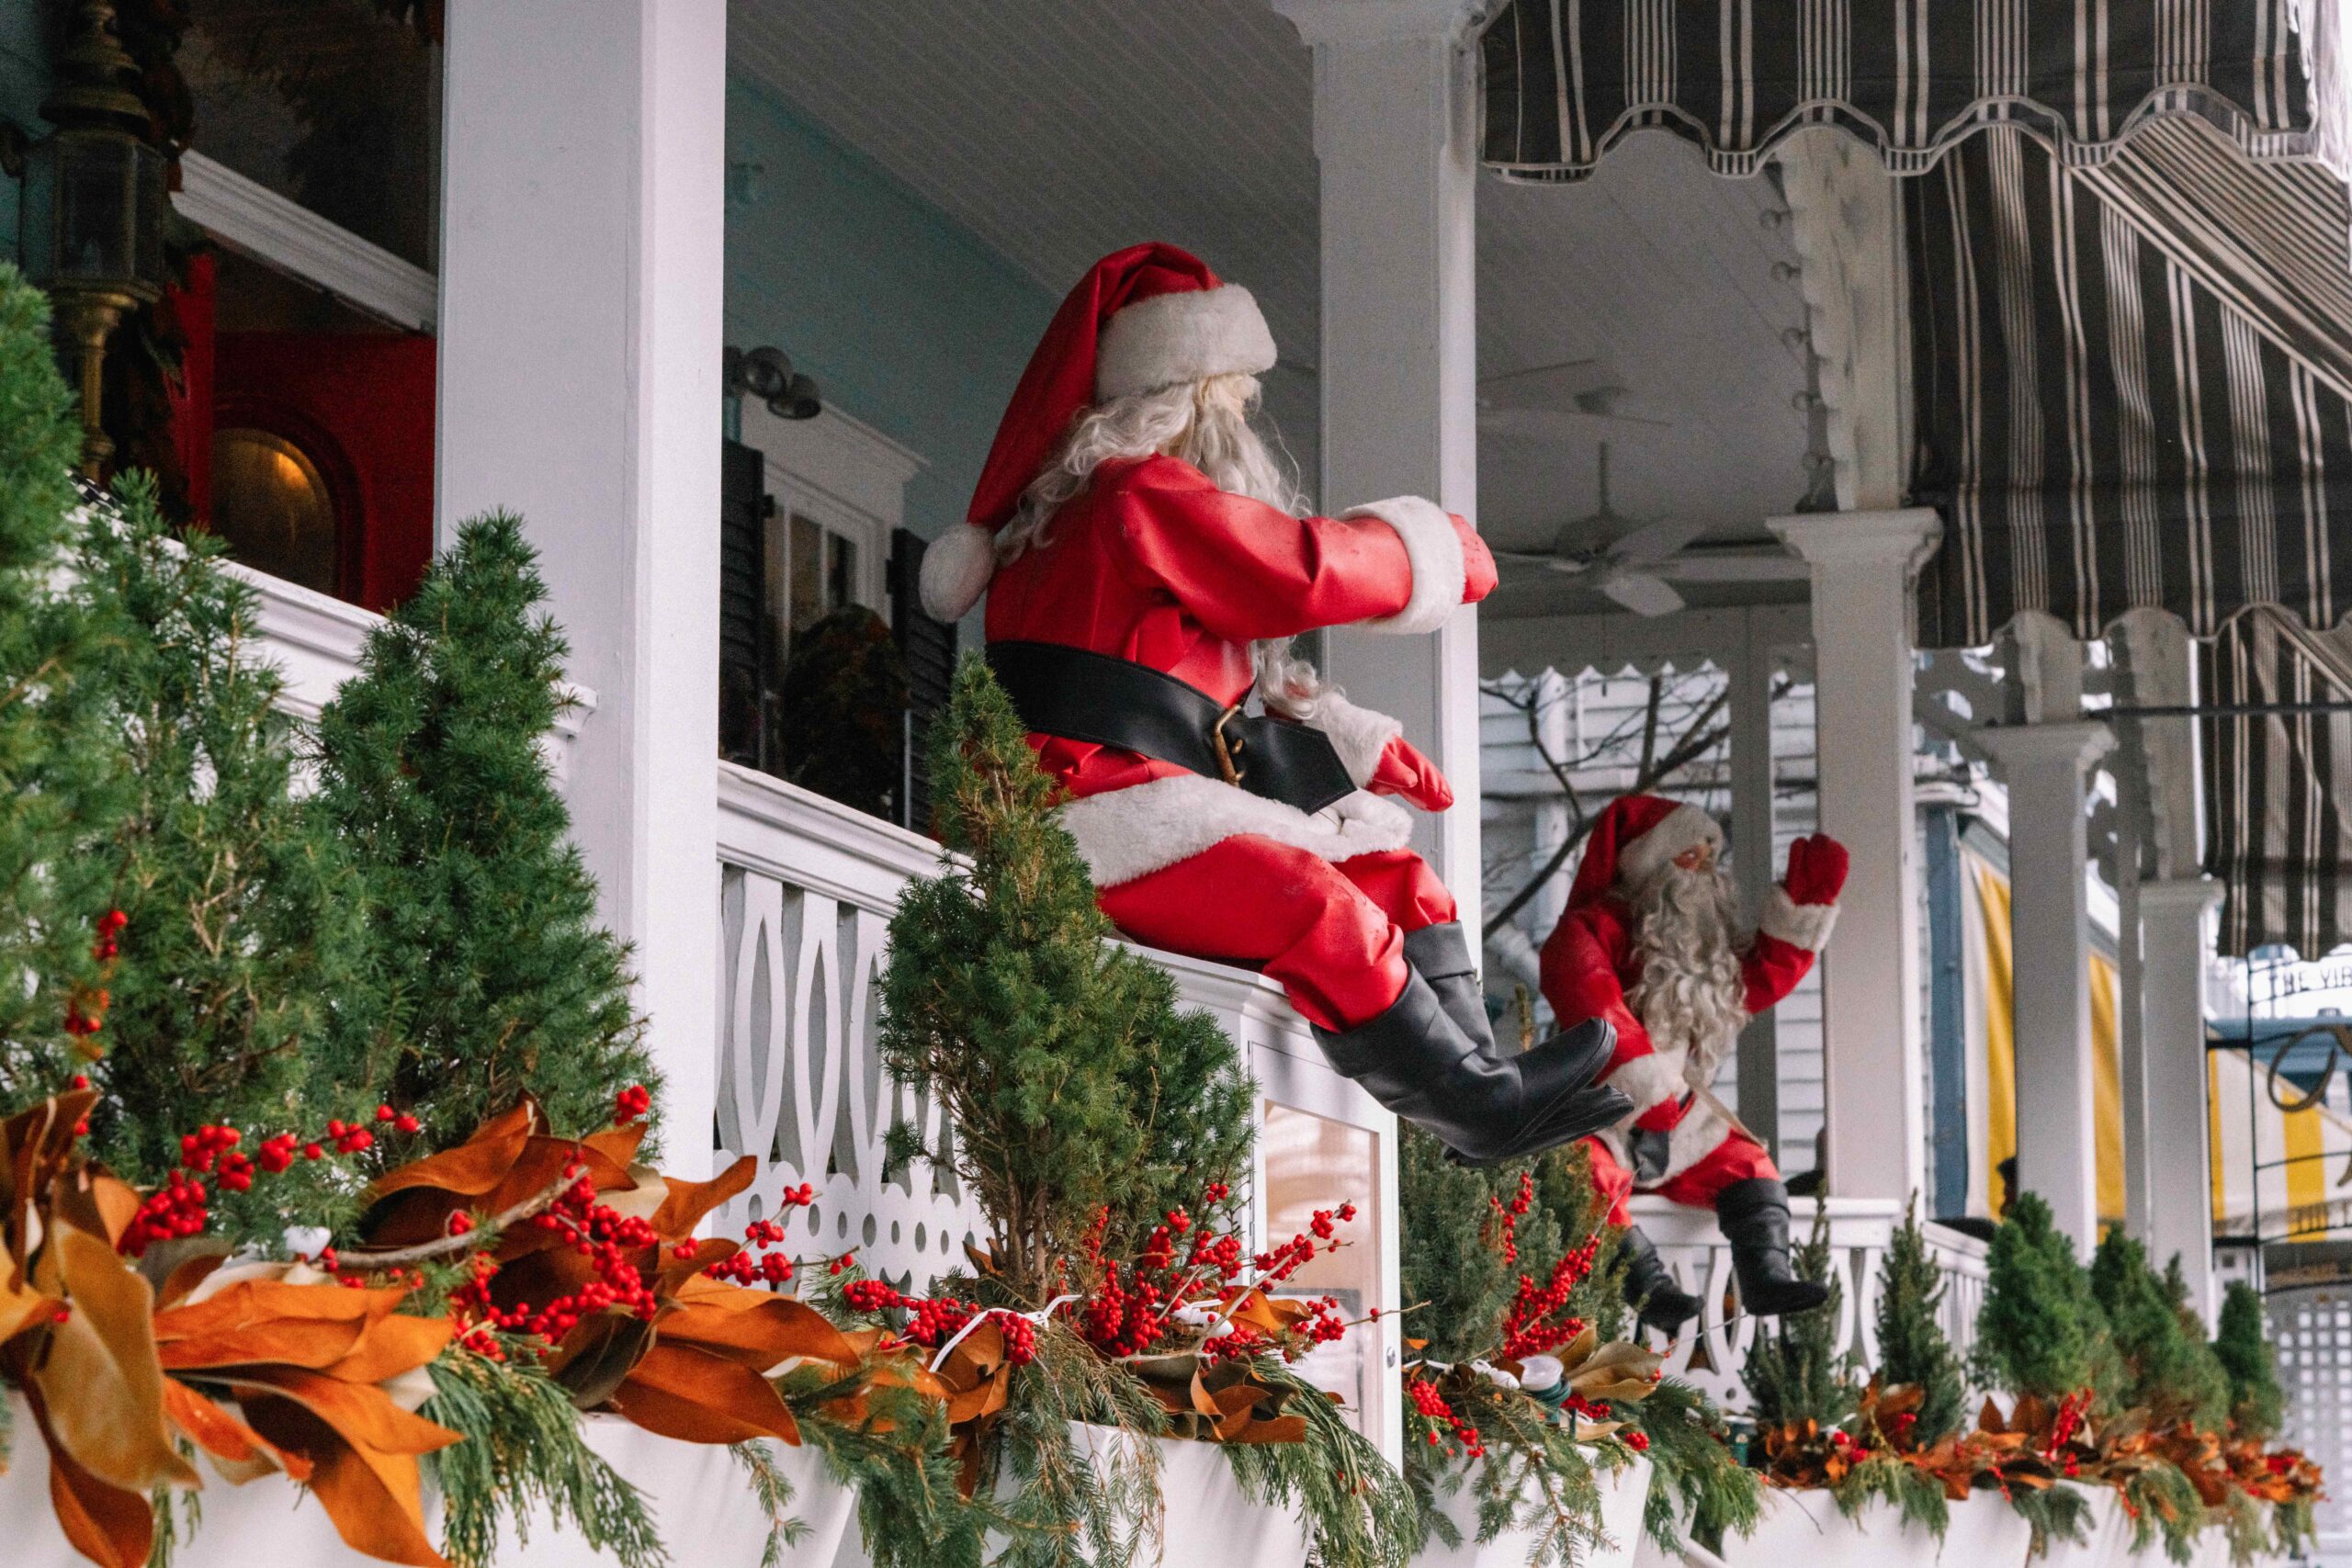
[{"x": 1694, "y": 1249}]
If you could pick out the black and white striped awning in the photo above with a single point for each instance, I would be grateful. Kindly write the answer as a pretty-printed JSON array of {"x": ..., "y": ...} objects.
[
  {"x": 2277, "y": 795},
  {"x": 2133, "y": 388},
  {"x": 1566, "y": 80}
]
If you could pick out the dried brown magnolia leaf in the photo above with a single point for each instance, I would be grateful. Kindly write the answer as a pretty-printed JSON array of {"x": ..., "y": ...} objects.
[
  {"x": 688, "y": 1201},
  {"x": 99, "y": 1376},
  {"x": 697, "y": 1397},
  {"x": 374, "y": 1498}
]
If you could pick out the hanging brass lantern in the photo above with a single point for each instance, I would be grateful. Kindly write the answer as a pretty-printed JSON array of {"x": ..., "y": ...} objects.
[{"x": 91, "y": 227}]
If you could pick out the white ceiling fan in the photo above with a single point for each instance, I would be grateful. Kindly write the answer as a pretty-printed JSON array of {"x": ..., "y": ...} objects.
[
  {"x": 1551, "y": 402},
  {"x": 1637, "y": 564}
]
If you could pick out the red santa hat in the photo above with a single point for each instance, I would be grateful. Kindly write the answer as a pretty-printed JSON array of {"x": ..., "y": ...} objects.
[
  {"x": 1146, "y": 317},
  {"x": 1636, "y": 837}
]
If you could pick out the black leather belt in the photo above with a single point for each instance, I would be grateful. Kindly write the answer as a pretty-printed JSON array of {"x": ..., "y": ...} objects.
[{"x": 1082, "y": 696}]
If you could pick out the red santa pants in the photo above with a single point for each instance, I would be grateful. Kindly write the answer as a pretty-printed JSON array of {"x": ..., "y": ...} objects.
[
  {"x": 1332, "y": 933},
  {"x": 1737, "y": 1158}
]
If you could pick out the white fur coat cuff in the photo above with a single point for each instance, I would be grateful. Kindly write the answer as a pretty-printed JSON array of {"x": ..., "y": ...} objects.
[
  {"x": 1435, "y": 551},
  {"x": 1649, "y": 1082},
  {"x": 1358, "y": 735},
  {"x": 1799, "y": 925}
]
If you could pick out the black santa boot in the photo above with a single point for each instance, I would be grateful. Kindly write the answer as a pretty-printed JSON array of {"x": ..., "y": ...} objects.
[
  {"x": 1420, "y": 1064},
  {"x": 1650, "y": 1290},
  {"x": 1441, "y": 956},
  {"x": 1755, "y": 1219}
]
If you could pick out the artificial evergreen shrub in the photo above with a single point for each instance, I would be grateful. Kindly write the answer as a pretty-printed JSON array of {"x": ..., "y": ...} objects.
[
  {"x": 2258, "y": 1404},
  {"x": 2039, "y": 1330},
  {"x": 491, "y": 973},
  {"x": 242, "y": 934},
  {"x": 61, "y": 774},
  {"x": 1073, "y": 1081},
  {"x": 1795, "y": 1372},
  {"x": 2169, "y": 1371},
  {"x": 1458, "y": 1285},
  {"x": 1912, "y": 1346}
]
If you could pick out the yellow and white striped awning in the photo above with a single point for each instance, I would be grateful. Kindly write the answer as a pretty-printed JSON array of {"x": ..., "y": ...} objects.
[{"x": 2276, "y": 1174}]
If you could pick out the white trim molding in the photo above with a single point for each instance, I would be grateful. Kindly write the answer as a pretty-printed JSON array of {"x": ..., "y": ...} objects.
[{"x": 250, "y": 218}]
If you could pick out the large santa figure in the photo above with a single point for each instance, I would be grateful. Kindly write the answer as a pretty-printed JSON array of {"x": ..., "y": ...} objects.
[
  {"x": 1650, "y": 943},
  {"x": 1145, "y": 566}
]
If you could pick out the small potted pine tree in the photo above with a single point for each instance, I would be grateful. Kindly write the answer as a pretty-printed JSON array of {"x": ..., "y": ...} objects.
[
  {"x": 1118, "y": 1360},
  {"x": 1525, "y": 1439}
]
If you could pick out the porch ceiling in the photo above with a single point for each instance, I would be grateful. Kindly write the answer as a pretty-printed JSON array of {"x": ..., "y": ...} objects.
[{"x": 1058, "y": 129}]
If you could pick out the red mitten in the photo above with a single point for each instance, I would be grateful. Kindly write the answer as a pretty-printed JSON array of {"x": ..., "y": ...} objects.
[
  {"x": 1403, "y": 770},
  {"x": 1817, "y": 870},
  {"x": 1478, "y": 576}
]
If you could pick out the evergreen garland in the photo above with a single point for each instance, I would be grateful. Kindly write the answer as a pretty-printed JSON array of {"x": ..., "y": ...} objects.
[
  {"x": 1071, "y": 1080},
  {"x": 772, "y": 1489},
  {"x": 1694, "y": 1475},
  {"x": 523, "y": 1447},
  {"x": 2054, "y": 1514},
  {"x": 1361, "y": 1512},
  {"x": 1795, "y": 1372},
  {"x": 63, "y": 778},
  {"x": 492, "y": 975},
  {"x": 1916, "y": 1497},
  {"x": 1912, "y": 1348},
  {"x": 2040, "y": 1329},
  {"x": 896, "y": 1456},
  {"x": 1069, "y": 1501},
  {"x": 2170, "y": 1371},
  {"x": 242, "y": 935},
  {"x": 2258, "y": 1404}
]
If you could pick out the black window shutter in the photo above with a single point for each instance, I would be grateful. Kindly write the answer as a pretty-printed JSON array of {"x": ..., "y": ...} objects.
[
  {"x": 929, "y": 648},
  {"x": 742, "y": 628}
]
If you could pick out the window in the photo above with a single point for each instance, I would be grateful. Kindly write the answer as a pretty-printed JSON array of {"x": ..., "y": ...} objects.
[{"x": 271, "y": 505}]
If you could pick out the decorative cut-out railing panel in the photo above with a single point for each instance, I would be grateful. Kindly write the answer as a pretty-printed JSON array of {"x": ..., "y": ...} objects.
[
  {"x": 1714, "y": 1351},
  {"x": 806, "y": 891}
]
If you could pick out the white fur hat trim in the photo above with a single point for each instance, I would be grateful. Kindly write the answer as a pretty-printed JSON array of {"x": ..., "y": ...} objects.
[
  {"x": 1685, "y": 827},
  {"x": 956, "y": 572},
  {"x": 1186, "y": 336}
]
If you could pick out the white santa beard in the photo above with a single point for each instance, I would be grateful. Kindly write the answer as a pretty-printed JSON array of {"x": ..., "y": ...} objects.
[{"x": 1691, "y": 995}]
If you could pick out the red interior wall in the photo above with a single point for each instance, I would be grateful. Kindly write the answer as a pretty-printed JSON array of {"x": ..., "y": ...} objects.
[
  {"x": 191, "y": 305},
  {"x": 361, "y": 404}
]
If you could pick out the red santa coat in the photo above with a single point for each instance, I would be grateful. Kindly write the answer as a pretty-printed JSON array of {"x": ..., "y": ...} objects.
[
  {"x": 1588, "y": 970},
  {"x": 1153, "y": 563}
]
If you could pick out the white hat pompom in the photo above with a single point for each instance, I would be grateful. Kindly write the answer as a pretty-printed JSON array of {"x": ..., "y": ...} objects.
[{"x": 956, "y": 572}]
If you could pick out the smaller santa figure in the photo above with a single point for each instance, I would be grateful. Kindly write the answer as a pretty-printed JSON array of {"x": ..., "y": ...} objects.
[{"x": 1651, "y": 943}]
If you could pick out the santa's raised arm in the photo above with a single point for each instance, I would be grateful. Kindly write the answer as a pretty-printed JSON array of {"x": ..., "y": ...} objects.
[
  {"x": 1145, "y": 563},
  {"x": 1649, "y": 944}
]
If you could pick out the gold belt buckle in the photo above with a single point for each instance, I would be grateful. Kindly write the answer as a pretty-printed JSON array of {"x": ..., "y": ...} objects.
[{"x": 1227, "y": 750}]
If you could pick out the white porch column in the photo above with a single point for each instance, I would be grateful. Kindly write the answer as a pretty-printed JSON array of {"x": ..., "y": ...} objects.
[
  {"x": 582, "y": 275},
  {"x": 1395, "y": 136},
  {"x": 2172, "y": 928},
  {"x": 1752, "y": 864},
  {"x": 1864, "y": 564},
  {"x": 2049, "y": 941}
]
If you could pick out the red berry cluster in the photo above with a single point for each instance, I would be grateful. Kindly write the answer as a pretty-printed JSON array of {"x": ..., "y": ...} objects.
[
  {"x": 932, "y": 1322},
  {"x": 631, "y": 1103},
  {"x": 177, "y": 1208},
  {"x": 85, "y": 1014},
  {"x": 597, "y": 1233},
  {"x": 111, "y": 926},
  {"x": 1535, "y": 1322},
  {"x": 1440, "y": 1427},
  {"x": 770, "y": 1268},
  {"x": 1504, "y": 1237},
  {"x": 1294, "y": 1254}
]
